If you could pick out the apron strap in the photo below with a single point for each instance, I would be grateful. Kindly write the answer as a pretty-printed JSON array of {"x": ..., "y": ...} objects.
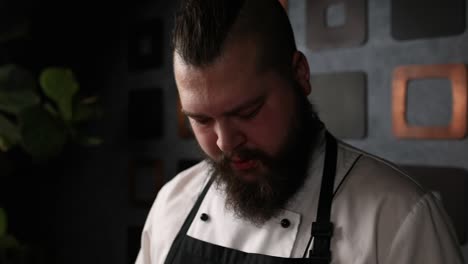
[
  {"x": 322, "y": 228},
  {"x": 188, "y": 221}
]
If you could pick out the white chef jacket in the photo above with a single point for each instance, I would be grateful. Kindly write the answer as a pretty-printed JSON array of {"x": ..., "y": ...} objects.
[{"x": 380, "y": 216}]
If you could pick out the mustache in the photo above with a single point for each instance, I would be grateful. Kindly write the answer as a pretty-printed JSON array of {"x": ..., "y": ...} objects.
[{"x": 244, "y": 154}]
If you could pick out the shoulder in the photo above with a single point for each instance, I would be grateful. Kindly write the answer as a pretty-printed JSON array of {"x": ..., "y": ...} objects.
[
  {"x": 376, "y": 202},
  {"x": 177, "y": 196},
  {"x": 184, "y": 186},
  {"x": 377, "y": 177}
]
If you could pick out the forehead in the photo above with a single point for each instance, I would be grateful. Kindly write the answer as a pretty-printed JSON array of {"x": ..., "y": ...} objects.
[{"x": 231, "y": 79}]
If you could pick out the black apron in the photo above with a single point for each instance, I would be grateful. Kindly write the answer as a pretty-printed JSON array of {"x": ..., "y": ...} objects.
[{"x": 186, "y": 249}]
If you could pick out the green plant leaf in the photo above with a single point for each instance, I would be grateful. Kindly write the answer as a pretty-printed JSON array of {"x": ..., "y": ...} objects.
[
  {"x": 86, "y": 112},
  {"x": 90, "y": 100},
  {"x": 15, "y": 78},
  {"x": 3, "y": 222},
  {"x": 51, "y": 109},
  {"x": 9, "y": 134},
  {"x": 59, "y": 84},
  {"x": 5, "y": 71},
  {"x": 43, "y": 136},
  {"x": 4, "y": 145},
  {"x": 14, "y": 101},
  {"x": 91, "y": 141}
]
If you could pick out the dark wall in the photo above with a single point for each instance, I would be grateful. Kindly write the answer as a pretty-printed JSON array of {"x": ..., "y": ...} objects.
[{"x": 72, "y": 209}]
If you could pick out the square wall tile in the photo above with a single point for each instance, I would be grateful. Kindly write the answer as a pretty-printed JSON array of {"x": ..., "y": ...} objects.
[
  {"x": 341, "y": 102},
  {"x": 145, "y": 114},
  {"x": 146, "y": 45},
  {"x": 418, "y": 19},
  {"x": 332, "y": 24},
  {"x": 146, "y": 177}
]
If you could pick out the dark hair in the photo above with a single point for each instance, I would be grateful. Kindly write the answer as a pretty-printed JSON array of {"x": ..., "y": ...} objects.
[{"x": 202, "y": 28}]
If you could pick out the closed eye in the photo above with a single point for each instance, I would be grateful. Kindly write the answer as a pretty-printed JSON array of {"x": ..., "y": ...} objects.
[
  {"x": 201, "y": 121},
  {"x": 250, "y": 113}
]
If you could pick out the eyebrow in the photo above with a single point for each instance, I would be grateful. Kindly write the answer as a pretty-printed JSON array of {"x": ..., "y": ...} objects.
[{"x": 249, "y": 103}]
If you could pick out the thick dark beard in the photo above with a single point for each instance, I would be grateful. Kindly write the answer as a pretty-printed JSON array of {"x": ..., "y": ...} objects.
[{"x": 279, "y": 177}]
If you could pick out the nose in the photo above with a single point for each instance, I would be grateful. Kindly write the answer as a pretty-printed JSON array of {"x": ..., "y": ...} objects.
[{"x": 229, "y": 137}]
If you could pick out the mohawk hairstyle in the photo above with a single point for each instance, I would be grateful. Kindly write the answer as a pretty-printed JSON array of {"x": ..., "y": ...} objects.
[{"x": 203, "y": 28}]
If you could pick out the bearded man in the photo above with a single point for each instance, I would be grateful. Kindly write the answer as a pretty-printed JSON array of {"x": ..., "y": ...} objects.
[{"x": 276, "y": 186}]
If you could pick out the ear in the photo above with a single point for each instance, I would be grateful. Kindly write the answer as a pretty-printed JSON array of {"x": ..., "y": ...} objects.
[{"x": 301, "y": 72}]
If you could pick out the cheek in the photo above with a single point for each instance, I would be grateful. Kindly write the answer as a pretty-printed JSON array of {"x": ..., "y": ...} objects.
[
  {"x": 207, "y": 142},
  {"x": 270, "y": 130},
  {"x": 269, "y": 134}
]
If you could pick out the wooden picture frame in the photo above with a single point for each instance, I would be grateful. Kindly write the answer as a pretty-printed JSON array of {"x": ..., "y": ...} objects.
[
  {"x": 146, "y": 177},
  {"x": 457, "y": 74},
  {"x": 183, "y": 124}
]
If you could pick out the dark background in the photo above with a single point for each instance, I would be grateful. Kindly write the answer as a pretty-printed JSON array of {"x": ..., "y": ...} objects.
[{"x": 82, "y": 207}]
